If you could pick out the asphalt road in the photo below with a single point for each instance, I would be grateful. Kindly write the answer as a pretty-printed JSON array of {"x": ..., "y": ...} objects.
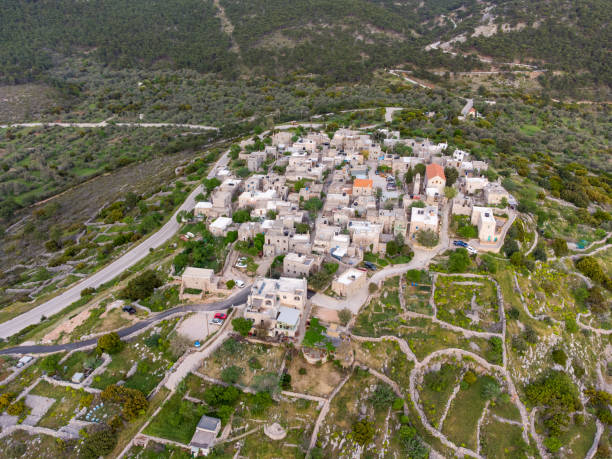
[
  {"x": 234, "y": 300},
  {"x": 106, "y": 274}
]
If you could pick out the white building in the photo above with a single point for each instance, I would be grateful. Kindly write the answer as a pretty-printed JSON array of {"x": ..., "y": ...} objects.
[
  {"x": 220, "y": 225},
  {"x": 423, "y": 219}
]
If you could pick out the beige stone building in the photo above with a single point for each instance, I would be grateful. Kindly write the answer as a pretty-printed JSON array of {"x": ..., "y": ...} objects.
[
  {"x": 484, "y": 219},
  {"x": 197, "y": 281},
  {"x": 423, "y": 219},
  {"x": 276, "y": 305},
  {"x": 349, "y": 281},
  {"x": 300, "y": 265}
]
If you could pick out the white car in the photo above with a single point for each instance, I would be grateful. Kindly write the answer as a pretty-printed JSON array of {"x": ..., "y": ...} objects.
[
  {"x": 240, "y": 283},
  {"x": 216, "y": 321},
  {"x": 471, "y": 249}
]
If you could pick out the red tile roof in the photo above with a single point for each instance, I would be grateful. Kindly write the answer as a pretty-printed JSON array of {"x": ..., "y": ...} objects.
[
  {"x": 363, "y": 183},
  {"x": 434, "y": 170}
]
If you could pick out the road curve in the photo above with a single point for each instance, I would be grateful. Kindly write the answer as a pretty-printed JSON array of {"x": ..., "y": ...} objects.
[
  {"x": 234, "y": 300},
  {"x": 109, "y": 272}
]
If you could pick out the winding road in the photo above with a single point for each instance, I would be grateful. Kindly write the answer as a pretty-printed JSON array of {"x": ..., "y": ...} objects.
[
  {"x": 236, "y": 299},
  {"x": 109, "y": 272}
]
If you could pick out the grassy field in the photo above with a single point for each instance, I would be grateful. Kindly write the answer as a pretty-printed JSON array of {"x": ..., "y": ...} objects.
[
  {"x": 352, "y": 403},
  {"x": 455, "y": 295},
  {"x": 463, "y": 415},
  {"x": 434, "y": 397},
  {"x": 177, "y": 419},
  {"x": 387, "y": 358},
  {"x": 501, "y": 440},
  {"x": 6, "y": 362},
  {"x": 79, "y": 361},
  {"x": 158, "y": 451},
  {"x": 317, "y": 380},
  {"x": 27, "y": 445},
  {"x": 150, "y": 355},
  {"x": 252, "y": 359},
  {"x": 67, "y": 403}
]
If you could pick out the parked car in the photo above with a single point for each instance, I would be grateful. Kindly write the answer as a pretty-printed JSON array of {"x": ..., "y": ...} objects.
[
  {"x": 370, "y": 265},
  {"x": 240, "y": 283},
  {"x": 129, "y": 309},
  {"x": 221, "y": 315},
  {"x": 460, "y": 244},
  {"x": 471, "y": 249},
  {"x": 216, "y": 321}
]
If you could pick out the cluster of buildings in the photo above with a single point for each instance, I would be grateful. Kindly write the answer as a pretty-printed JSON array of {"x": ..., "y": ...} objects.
[{"x": 361, "y": 203}]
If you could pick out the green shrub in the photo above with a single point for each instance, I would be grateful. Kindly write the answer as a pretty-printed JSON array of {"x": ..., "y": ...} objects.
[
  {"x": 363, "y": 432},
  {"x": 231, "y": 374},
  {"x": 559, "y": 357},
  {"x": 109, "y": 343}
]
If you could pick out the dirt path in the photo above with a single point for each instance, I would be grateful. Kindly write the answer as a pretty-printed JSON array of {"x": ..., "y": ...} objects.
[
  {"x": 227, "y": 26},
  {"x": 325, "y": 410}
]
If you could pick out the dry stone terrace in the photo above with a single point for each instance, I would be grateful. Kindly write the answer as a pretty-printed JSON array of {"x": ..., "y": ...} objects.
[{"x": 328, "y": 245}]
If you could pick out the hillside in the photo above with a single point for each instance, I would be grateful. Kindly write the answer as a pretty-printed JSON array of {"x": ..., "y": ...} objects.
[{"x": 340, "y": 40}]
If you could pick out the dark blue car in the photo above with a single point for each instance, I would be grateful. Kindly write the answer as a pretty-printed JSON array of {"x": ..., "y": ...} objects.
[{"x": 460, "y": 243}]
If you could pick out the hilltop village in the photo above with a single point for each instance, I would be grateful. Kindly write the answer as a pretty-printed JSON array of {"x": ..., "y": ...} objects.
[{"x": 337, "y": 203}]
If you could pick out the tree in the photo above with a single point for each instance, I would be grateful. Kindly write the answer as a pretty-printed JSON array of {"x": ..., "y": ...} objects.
[
  {"x": 539, "y": 252},
  {"x": 427, "y": 238},
  {"x": 451, "y": 175},
  {"x": 510, "y": 247},
  {"x": 242, "y": 325},
  {"x": 302, "y": 228},
  {"x": 50, "y": 363},
  {"x": 17, "y": 408},
  {"x": 313, "y": 205},
  {"x": 285, "y": 381},
  {"x": 560, "y": 247},
  {"x": 554, "y": 389},
  {"x": 211, "y": 184},
  {"x": 392, "y": 248},
  {"x": 559, "y": 356},
  {"x": 419, "y": 169},
  {"x": 363, "y": 432},
  {"x": 345, "y": 316},
  {"x": 133, "y": 402},
  {"x": 459, "y": 260},
  {"x": 219, "y": 395},
  {"x": 142, "y": 286},
  {"x": 590, "y": 267},
  {"x": 230, "y": 284},
  {"x": 382, "y": 397},
  {"x": 109, "y": 343},
  {"x": 242, "y": 215},
  {"x": 230, "y": 237},
  {"x": 100, "y": 441},
  {"x": 450, "y": 192},
  {"x": 258, "y": 242},
  {"x": 596, "y": 300}
]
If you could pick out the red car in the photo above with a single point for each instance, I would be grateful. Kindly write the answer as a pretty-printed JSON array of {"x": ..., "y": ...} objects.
[{"x": 221, "y": 316}]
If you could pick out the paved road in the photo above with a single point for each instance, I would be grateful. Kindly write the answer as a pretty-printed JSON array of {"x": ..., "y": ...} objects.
[
  {"x": 106, "y": 274},
  {"x": 234, "y": 300}
]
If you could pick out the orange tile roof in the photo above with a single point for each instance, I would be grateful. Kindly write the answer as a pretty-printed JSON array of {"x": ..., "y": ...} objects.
[
  {"x": 363, "y": 183},
  {"x": 434, "y": 170}
]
